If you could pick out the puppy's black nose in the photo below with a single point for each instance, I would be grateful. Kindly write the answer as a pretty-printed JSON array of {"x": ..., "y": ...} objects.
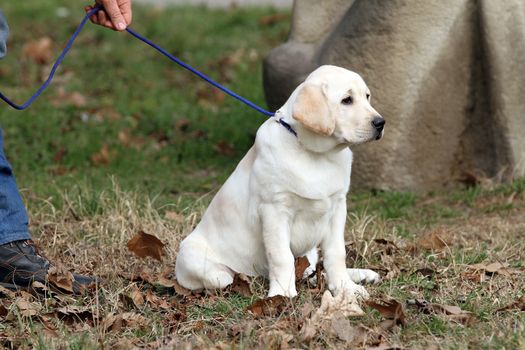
[{"x": 379, "y": 123}]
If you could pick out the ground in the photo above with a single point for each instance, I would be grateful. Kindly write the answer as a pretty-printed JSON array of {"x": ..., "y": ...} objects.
[{"x": 125, "y": 144}]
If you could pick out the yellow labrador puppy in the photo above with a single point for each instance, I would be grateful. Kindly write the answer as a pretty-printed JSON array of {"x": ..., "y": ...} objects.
[{"x": 287, "y": 196}]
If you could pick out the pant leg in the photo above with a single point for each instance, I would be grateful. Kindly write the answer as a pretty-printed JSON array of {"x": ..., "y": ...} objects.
[
  {"x": 4, "y": 33},
  {"x": 13, "y": 215}
]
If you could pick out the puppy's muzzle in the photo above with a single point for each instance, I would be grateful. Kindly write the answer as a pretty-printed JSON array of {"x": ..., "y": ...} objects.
[{"x": 379, "y": 124}]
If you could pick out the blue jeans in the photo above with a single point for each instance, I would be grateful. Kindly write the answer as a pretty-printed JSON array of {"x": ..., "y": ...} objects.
[
  {"x": 4, "y": 33},
  {"x": 13, "y": 215}
]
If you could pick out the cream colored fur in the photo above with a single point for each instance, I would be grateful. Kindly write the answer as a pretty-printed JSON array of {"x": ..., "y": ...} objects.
[{"x": 287, "y": 196}]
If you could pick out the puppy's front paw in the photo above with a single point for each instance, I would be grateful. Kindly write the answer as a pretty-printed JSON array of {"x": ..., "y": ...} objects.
[
  {"x": 363, "y": 276},
  {"x": 277, "y": 288},
  {"x": 290, "y": 292},
  {"x": 358, "y": 291}
]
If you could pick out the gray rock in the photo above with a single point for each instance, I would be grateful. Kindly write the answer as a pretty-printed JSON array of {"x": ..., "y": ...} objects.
[{"x": 448, "y": 76}]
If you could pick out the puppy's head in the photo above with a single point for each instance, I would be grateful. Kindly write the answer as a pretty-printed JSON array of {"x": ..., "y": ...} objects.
[{"x": 334, "y": 102}]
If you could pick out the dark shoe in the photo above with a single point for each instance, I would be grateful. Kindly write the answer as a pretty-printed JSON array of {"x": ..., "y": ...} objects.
[{"x": 21, "y": 264}]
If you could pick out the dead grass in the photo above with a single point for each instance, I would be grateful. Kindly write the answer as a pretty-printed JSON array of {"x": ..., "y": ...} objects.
[{"x": 133, "y": 307}]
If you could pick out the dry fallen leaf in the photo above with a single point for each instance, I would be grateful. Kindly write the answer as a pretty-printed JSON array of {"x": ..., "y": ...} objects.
[
  {"x": 425, "y": 271},
  {"x": 182, "y": 124},
  {"x": 307, "y": 309},
  {"x": 39, "y": 51},
  {"x": 69, "y": 98},
  {"x": 320, "y": 278},
  {"x": 477, "y": 276},
  {"x": 115, "y": 323},
  {"x": 165, "y": 277},
  {"x": 144, "y": 244},
  {"x": 342, "y": 302},
  {"x": 50, "y": 330},
  {"x": 4, "y": 309},
  {"x": 453, "y": 313},
  {"x": 224, "y": 148},
  {"x": 301, "y": 264},
  {"x": 271, "y": 306},
  {"x": 241, "y": 285},
  {"x": 4, "y": 292},
  {"x": 274, "y": 339},
  {"x": 76, "y": 310},
  {"x": 128, "y": 140},
  {"x": 210, "y": 98},
  {"x": 388, "y": 247},
  {"x": 61, "y": 278},
  {"x": 339, "y": 307},
  {"x": 272, "y": 19},
  {"x": 174, "y": 216},
  {"x": 104, "y": 113},
  {"x": 103, "y": 156},
  {"x": 389, "y": 309},
  {"x": 75, "y": 314},
  {"x": 436, "y": 240},
  {"x": 449, "y": 312},
  {"x": 25, "y": 308},
  {"x": 140, "y": 275},
  {"x": 59, "y": 155},
  {"x": 136, "y": 296},
  {"x": 155, "y": 301},
  {"x": 384, "y": 346},
  {"x": 172, "y": 319},
  {"x": 518, "y": 304},
  {"x": 342, "y": 328},
  {"x": 490, "y": 269}
]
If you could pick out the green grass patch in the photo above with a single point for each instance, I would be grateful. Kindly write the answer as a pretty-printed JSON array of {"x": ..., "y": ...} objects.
[{"x": 166, "y": 132}]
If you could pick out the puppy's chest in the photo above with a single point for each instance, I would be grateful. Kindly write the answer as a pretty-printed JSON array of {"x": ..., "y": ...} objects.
[
  {"x": 308, "y": 214},
  {"x": 310, "y": 222},
  {"x": 307, "y": 208}
]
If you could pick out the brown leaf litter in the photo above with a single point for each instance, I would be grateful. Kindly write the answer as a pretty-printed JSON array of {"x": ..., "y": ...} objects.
[
  {"x": 39, "y": 51},
  {"x": 61, "y": 278},
  {"x": 448, "y": 312},
  {"x": 103, "y": 156},
  {"x": 115, "y": 322},
  {"x": 270, "y": 306},
  {"x": 517, "y": 305},
  {"x": 332, "y": 308},
  {"x": 301, "y": 264},
  {"x": 241, "y": 285},
  {"x": 143, "y": 245},
  {"x": 390, "y": 309},
  {"x": 478, "y": 272},
  {"x": 73, "y": 98},
  {"x": 436, "y": 240},
  {"x": 163, "y": 279}
]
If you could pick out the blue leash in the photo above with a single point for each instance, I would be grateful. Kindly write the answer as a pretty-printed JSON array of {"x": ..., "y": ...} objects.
[{"x": 150, "y": 43}]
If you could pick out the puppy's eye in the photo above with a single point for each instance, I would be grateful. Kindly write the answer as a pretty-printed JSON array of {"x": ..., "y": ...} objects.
[
  {"x": 347, "y": 100},
  {"x": 368, "y": 97}
]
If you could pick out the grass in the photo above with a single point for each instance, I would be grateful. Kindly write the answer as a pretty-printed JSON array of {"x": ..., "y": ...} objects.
[
  {"x": 177, "y": 134},
  {"x": 151, "y": 140}
]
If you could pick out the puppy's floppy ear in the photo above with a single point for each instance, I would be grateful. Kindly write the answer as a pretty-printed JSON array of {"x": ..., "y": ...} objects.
[{"x": 311, "y": 109}]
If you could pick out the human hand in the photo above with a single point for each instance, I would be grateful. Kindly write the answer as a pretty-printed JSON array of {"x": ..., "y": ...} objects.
[{"x": 116, "y": 14}]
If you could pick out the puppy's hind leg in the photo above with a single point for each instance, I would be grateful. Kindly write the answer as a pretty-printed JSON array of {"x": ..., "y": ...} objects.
[
  {"x": 313, "y": 257},
  {"x": 196, "y": 268}
]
